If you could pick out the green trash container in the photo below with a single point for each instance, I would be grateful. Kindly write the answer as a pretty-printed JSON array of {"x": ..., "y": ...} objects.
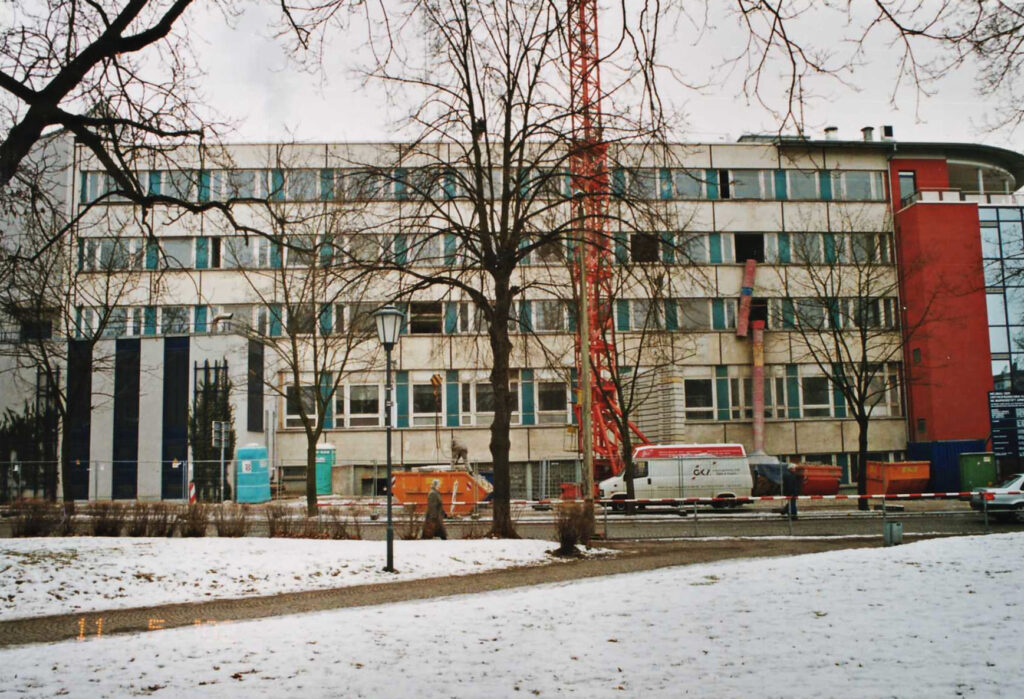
[
  {"x": 977, "y": 470},
  {"x": 325, "y": 456}
]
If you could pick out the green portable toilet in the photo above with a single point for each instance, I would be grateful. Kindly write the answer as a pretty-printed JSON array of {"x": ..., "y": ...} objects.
[
  {"x": 324, "y": 465},
  {"x": 977, "y": 470}
]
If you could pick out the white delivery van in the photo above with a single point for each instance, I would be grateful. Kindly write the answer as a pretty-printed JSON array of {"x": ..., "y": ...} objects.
[{"x": 677, "y": 471}]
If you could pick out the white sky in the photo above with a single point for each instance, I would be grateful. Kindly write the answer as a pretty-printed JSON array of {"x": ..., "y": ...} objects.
[{"x": 250, "y": 81}]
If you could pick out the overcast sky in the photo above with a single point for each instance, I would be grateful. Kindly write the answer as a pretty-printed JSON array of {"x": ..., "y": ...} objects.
[{"x": 251, "y": 81}]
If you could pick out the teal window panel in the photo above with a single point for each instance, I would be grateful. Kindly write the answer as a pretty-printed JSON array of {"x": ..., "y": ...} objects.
[
  {"x": 449, "y": 185},
  {"x": 621, "y": 248},
  {"x": 326, "y": 321},
  {"x": 451, "y": 318},
  {"x": 573, "y": 312},
  {"x": 788, "y": 314},
  {"x": 203, "y": 193},
  {"x": 835, "y": 319},
  {"x": 792, "y": 391},
  {"x": 825, "y": 184},
  {"x": 618, "y": 182},
  {"x": 81, "y": 254},
  {"x": 276, "y": 323},
  {"x": 525, "y": 316},
  {"x": 450, "y": 247},
  {"x": 622, "y": 314},
  {"x": 524, "y": 243},
  {"x": 154, "y": 182},
  {"x": 200, "y": 319},
  {"x": 402, "y": 397},
  {"x": 83, "y": 193},
  {"x": 529, "y": 414},
  {"x": 152, "y": 254},
  {"x": 718, "y": 314},
  {"x": 401, "y": 176},
  {"x": 202, "y": 253},
  {"x": 327, "y": 398},
  {"x": 785, "y": 255},
  {"x": 838, "y": 401},
  {"x": 665, "y": 183},
  {"x": 149, "y": 320},
  {"x": 326, "y": 254},
  {"x": 327, "y": 184},
  {"x": 780, "y": 185},
  {"x": 78, "y": 322},
  {"x": 401, "y": 249},
  {"x": 843, "y": 462},
  {"x": 671, "y": 315},
  {"x": 277, "y": 185},
  {"x": 722, "y": 391},
  {"x": 830, "y": 248},
  {"x": 451, "y": 389},
  {"x": 711, "y": 182},
  {"x": 668, "y": 247},
  {"x": 715, "y": 248},
  {"x": 275, "y": 255},
  {"x": 574, "y": 388}
]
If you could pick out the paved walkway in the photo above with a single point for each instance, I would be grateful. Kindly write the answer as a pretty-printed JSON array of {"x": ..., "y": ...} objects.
[{"x": 632, "y": 557}]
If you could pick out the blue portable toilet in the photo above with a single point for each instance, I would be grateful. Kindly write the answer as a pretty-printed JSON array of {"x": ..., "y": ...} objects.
[
  {"x": 252, "y": 474},
  {"x": 325, "y": 456}
]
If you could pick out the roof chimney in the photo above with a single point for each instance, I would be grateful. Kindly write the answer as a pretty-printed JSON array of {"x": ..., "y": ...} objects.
[
  {"x": 869, "y": 133},
  {"x": 831, "y": 133},
  {"x": 887, "y": 133}
]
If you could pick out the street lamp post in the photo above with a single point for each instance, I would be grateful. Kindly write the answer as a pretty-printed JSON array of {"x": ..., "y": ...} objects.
[{"x": 389, "y": 324}]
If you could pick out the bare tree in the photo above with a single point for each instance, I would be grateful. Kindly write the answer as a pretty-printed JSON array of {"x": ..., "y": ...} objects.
[{"x": 841, "y": 303}]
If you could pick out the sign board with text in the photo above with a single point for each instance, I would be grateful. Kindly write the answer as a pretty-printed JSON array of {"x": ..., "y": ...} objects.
[{"x": 1006, "y": 417}]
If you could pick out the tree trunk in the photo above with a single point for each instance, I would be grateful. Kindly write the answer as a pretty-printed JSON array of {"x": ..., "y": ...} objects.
[
  {"x": 629, "y": 472},
  {"x": 501, "y": 349},
  {"x": 862, "y": 466},
  {"x": 311, "y": 509},
  {"x": 67, "y": 493}
]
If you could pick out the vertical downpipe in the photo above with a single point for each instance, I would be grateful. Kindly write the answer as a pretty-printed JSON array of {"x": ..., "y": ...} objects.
[{"x": 758, "y": 385}]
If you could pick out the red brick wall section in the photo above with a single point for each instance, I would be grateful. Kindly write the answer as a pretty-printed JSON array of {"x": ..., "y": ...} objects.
[
  {"x": 943, "y": 292},
  {"x": 930, "y": 174}
]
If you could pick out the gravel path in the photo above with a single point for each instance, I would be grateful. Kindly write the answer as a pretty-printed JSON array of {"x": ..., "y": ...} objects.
[{"x": 632, "y": 556}]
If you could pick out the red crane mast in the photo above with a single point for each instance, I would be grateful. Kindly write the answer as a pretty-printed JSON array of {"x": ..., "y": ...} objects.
[{"x": 588, "y": 166}]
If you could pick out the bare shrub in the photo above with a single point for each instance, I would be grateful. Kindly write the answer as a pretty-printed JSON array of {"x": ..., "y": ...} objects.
[
  {"x": 336, "y": 524},
  {"x": 573, "y": 526},
  {"x": 310, "y": 528},
  {"x": 409, "y": 524},
  {"x": 34, "y": 518},
  {"x": 231, "y": 520},
  {"x": 163, "y": 518},
  {"x": 279, "y": 521},
  {"x": 475, "y": 528},
  {"x": 137, "y": 520},
  {"x": 195, "y": 520},
  {"x": 107, "y": 518}
]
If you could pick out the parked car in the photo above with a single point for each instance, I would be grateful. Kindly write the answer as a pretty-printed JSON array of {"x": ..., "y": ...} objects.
[{"x": 1004, "y": 498}]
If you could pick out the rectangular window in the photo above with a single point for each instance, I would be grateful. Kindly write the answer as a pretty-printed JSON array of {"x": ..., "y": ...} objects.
[
  {"x": 361, "y": 319},
  {"x": 552, "y": 402},
  {"x": 816, "y": 396},
  {"x": 425, "y": 317},
  {"x": 688, "y": 184},
  {"x": 424, "y": 250},
  {"x": 365, "y": 248},
  {"x": 694, "y": 248},
  {"x": 297, "y": 401},
  {"x": 694, "y": 314},
  {"x": 301, "y": 319},
  {"x": 427, "y": 404},
  {"x": 367, "y": 185},
  {"x": 752, "y": 184},
  {"x": 802, "y": 184},
  {"x": 647, "y": 314},
  {"x": 174, "y": 320},
  {"x": 364, "y": 405},
  {"x": 176, "y": 253},
  {"x": 639, "y": 183},
  {"x": 857, "y": 185},
  {"x": 303, "y": 185},
  {"x": 548, "y": 315},
  {"x": 300, "y": 251},
  {"x": 806, "y": 248},
  {"x": 549, "y": 252},
  {"x": 908, "y": 187},
  {"x": 643, "y": 247},
  {"x": 478, "y": 403},
  {"x": 699, "y": 399}
]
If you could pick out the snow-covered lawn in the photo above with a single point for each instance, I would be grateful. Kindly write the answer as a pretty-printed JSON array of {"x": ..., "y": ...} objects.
[
  {"x": 934, "y": 618},
  {"x": 66, "y": 575}
]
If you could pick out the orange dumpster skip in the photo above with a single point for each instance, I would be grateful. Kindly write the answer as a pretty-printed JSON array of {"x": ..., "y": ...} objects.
[
  {"x": 459, "y": 490},
  {"x": 893, "y": 478},
  {"x": 819, "y": 479}
]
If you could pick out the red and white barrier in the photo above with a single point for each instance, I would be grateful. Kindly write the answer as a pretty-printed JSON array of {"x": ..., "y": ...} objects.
[{"x": 191, "y": 493}]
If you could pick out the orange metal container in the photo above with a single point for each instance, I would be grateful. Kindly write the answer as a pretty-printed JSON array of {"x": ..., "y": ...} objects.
[
  {"x": 460, "y": 491},
  {"x": 892, "y": 478},
  {"x": 819, "y": 479}
]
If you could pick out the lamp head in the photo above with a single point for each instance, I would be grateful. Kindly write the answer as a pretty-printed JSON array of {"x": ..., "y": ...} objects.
[{"x": 389, "y": 325}]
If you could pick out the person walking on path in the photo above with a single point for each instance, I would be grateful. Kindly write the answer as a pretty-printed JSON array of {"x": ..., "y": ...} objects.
[{"x": 433, "y": 525}]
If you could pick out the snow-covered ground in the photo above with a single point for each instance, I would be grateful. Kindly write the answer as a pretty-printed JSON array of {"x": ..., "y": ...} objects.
[
  {"x": 935, "y": 618},
  {"x": 66, "y": 575}
]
